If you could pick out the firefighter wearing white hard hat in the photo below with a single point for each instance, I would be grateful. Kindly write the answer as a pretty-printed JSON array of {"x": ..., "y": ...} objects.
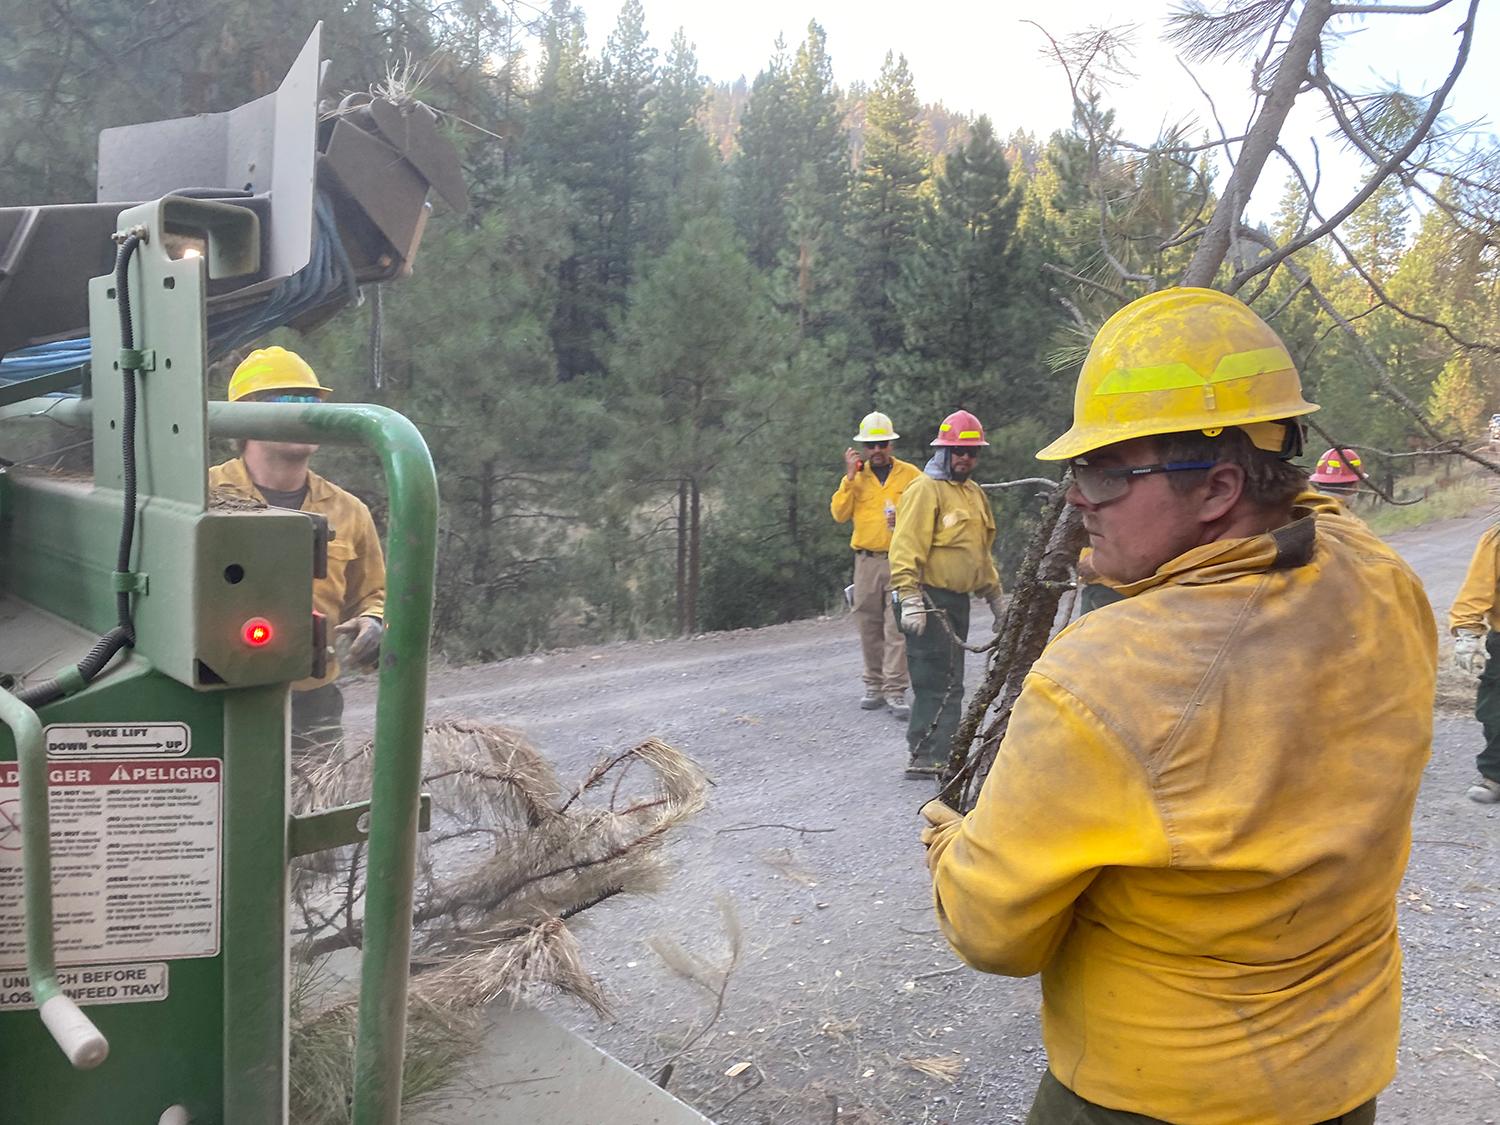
[
  {"x": 1196, "y": 822},
  {"x": 868, "y": 494}
]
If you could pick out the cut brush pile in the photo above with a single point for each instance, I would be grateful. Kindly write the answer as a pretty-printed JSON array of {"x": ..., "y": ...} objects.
[{"x": 512, "y": 856}]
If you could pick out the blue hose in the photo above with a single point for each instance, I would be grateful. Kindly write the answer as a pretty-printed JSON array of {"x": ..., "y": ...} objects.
[{"x": 327, "y": 275}]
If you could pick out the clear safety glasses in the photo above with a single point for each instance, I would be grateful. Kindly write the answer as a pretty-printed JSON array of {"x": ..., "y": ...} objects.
[{"x": 1100, "y": 485}]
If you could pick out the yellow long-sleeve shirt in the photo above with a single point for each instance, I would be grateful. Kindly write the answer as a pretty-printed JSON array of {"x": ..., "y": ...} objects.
[
  {"x": 355, "y": 586},
  {"x": 945, "y": 532},
  {"x": 864, "y": 499},
  {"x": 1477, "y": 606},
  {"x": 1214, "y": 949}
]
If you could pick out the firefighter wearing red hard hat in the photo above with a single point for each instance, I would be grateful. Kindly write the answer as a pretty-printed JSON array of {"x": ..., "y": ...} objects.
[
  {"x": 941, "y": 558},
  {"x": 1196, "y": 823},
  {"x": 868, "y": 493},
  {"x": 1339, "y": 471},
  {"x": 352, "y": 595}
]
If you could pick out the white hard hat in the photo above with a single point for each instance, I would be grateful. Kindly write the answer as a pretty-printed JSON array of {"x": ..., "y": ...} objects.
[{"x": 876, "y": 426}]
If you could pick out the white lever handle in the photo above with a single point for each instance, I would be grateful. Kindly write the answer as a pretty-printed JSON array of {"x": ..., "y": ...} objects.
[{"x": 75, "y": 1033}]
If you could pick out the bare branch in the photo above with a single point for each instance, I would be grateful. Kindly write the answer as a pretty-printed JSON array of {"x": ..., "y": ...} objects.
[
  {"x": 1385, "y": 168},
  {"x": 1388, "y": 9},
  {"x": 1384, "y": 380},
  {"x": 1117, "y": 294},
  {"x": 1044, "y": 482}
]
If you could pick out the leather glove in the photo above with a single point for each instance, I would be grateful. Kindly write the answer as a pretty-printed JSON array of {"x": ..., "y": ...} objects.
[
  {"x": 913, "y": 615},
  {"x": 362, "y": 635},
  {"x": 1469, "y": 653},
  {"x": 938, "y": 817},
  {"x": 996, "y": 601}
]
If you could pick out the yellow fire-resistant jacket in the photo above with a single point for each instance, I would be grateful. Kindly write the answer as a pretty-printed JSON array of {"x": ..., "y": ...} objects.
[
  {"x": 864, "y": 499},
  {"x": 1196, "y": 825},
  {"x": 944, "y": 534},
  {"x": 355, "y": 586},
  {"x": 1476, "y": 609}
]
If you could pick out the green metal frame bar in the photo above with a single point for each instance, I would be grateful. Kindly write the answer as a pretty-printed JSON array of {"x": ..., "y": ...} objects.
[
  {"x": 43, "y": 385},
  {"x": 400, "y": 707},
  {"x": 75, "y": 1032}
]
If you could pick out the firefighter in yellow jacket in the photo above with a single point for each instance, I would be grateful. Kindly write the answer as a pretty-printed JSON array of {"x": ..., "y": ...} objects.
[
  {"x": 941, "y": 558},
  {"x": 1472, "y": 620},
  {"x": 868, "y": 493},
  {"x": 352, "y": 596},
  {"x": 1213, "y": 948}
]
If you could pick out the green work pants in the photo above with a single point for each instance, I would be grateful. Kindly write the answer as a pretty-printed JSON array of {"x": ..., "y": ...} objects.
[
  {"x": 1487, "y": 710},
  {"x": 1055, "y": 1104},
  {"x": 936, "y": 667}
]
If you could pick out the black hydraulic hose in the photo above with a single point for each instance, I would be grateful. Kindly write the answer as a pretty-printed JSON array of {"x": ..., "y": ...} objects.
[
  {"x": 123, "y": 634},
  {"x": 127, "y": 435}
]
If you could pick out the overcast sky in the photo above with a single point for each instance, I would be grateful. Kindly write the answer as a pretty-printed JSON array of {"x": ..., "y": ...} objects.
[{"x": 980, "y": 57}]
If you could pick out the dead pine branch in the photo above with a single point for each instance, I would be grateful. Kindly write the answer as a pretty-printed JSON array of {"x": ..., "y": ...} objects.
[{"x": 1025, "y": 628}]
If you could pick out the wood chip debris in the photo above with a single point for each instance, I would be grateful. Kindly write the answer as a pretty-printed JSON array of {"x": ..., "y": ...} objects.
[{"x": 945, "y": 1067}]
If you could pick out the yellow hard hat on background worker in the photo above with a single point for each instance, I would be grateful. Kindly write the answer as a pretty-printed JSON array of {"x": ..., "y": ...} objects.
[
  {"x": 1179, "y": 360},
  {"x": 274, "y": 369}
]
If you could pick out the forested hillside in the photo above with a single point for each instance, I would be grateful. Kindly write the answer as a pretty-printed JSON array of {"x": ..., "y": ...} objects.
[{"x": 639, "y": 357}]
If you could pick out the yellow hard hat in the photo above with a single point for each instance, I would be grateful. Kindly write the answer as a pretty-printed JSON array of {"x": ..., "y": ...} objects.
[
  {"x": 1177, "y": 360},
  {"x": 876, "y": 426},
  {"x": 273, "y": 369}
]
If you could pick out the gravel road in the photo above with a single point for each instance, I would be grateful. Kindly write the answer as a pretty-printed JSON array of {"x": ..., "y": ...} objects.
[{"x": 844, "y": 984}]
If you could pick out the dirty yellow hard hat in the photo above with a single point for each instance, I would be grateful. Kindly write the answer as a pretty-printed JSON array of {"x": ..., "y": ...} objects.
[
  {"x": 273, "y": 369},
  {"x": 1179, "y": 360},
  {"x": 876, "y": 426}
]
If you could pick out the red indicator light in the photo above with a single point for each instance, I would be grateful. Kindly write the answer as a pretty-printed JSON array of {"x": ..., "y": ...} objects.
[{"x": 256, "y": 632}]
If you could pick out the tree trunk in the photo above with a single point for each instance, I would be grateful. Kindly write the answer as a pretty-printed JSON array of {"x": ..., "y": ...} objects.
[
  {"x": 1025, "y": 629},
  {"x": 680, "y": 622},
  {"x": 695, "y": 558},
  {"x": 1260, "y": 141}
]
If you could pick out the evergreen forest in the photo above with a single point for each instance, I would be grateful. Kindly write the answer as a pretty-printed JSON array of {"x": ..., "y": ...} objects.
[{"x": 640, "y": 355}]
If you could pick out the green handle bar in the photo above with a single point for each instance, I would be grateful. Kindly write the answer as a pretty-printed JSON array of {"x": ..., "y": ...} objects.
[{"x": 400, "y": 708}]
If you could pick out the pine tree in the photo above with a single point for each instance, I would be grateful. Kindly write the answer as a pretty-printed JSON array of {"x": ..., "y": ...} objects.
[
  {"x": 885, "y": 207},
  {"x": 694, "y": 329}
]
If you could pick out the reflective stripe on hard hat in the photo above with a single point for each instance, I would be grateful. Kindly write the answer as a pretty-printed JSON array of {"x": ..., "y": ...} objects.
[
  {"x": 968, "y": 434},
  {"x": 1175, "y": 376}
]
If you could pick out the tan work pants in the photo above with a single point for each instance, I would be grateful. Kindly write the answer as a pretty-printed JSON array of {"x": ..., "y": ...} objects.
[{"x": 879, "y": 636}]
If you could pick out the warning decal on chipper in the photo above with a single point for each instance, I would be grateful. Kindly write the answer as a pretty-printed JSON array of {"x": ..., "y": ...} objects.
[
  {"x": 135, "y": 860},
  {"x": 92, "y": 984},
  {"x": 118, "y": 740}
]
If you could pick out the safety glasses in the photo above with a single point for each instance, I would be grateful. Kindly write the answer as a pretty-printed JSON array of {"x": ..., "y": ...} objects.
[
  {"x": 1100, "y": 485},
  {"x": 875, "y": 444},
  {"x": 963, "y": 451},
  {"x": 292, "y": 398}
]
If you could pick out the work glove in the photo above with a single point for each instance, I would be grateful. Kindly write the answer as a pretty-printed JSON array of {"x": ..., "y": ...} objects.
[
  {"x": 937, "y": 815},
  {"x": 996, "y": 601},
  {"x": 913, "y": 615},
  {"x": 1469, "y": 654},
  {"x": 362, "y": 637}
]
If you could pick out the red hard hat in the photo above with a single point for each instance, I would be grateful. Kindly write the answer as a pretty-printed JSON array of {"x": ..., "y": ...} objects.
[
  {"x": 960, "y": 428},
  {"x": 1338, "y": 466}
]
